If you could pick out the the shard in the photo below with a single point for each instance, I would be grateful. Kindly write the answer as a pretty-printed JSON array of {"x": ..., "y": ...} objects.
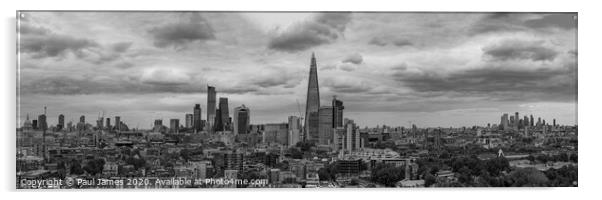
[{"x": 313, "y": 103}]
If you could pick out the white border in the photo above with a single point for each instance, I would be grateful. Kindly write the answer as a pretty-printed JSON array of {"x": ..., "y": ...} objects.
[{"x": 589, "y": 96}]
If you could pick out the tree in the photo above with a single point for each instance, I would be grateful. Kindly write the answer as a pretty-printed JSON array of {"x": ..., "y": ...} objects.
[
  {"x": 429, "y": 180},
  {"x": 95, "y": 166},
  {"x": 527, "y": 177},
  {"x": 76, "y": 167},
  {"x": 387, "y": 174}
]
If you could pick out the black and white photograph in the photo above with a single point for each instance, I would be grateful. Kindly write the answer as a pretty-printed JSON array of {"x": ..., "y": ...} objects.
[{"x": 282, "y": 99}]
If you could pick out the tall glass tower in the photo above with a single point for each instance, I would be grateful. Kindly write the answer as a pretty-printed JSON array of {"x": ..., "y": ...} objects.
[
  {"x": 210, "y": 108},
  {"x": 313, "y": 103}
]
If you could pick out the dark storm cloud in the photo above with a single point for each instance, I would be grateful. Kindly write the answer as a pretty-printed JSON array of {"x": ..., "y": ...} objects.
[
  {"x": 497, "y": 22},
  {"x": 323, "y": 29},
  {"x": 498, "y": 83},
  {"x": 179, "y": 34},
  {"x": 355, "y": 58},
  {"x": 53, "y": 45},
  {"x": 563, "y": 21},
  {"x": 515, "y": 49}
]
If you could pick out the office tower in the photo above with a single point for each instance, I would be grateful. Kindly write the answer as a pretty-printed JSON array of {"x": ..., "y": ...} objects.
[
  {"x": 337, "y": 112},
  {"x": 42, "y": 125},
  {"x": 224, "y": 114},
  {"x": 294, "y": 130},
  {"x": 61, "y": 123},
  {"x": 218, "y": 125},
  {"x": 516, "y": 121},
  {"x": 241, "y": 120},
  {"x": 325, "y": 125},
  {"x": 108, "y": 123},
  {"x": 348, "y": 138},
  {"x": 82, "y": 119},
  {"x": 210, "y": 108},
  {"x": 196, "y": 121},
  {"x": 532, "y": 121},
  {"x": 526, "y": 121},
  {"x": 189, "y": 120},
  {"x": 158, "y": 122},
  {"x": 34, "y": 124},
  {"x": 504, "y": 122},
  {"x": 539, "y": 121},
  {"x": 312, "y": 105},
  {"x": 174, "y": 125},
  {"x": 554, "y": 122},
  {"x": 118, "y": 123}
]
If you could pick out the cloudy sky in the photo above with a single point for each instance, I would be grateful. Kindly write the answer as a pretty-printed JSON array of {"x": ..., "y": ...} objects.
[{"x": 431, "y": 69}]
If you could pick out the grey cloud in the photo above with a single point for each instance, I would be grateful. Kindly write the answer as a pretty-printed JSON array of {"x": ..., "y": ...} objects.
[
  {"x": 327, "y": 67},
  {"x": 382, "y": 41},
  {"x": 563, "y": 21},
  {"x": 355, "y": 58},
  {"x": 498, "y": 83},
  {"x": 347, "y": 67},
  {"x": 28, "y": 29},
  {"x": 121, "y": 46},
  {"x": 72, "y": 86},
  {"x": 323, "y": 29},
  {"x": 515, "y": 49},
  {"x": 179, "y": 34},
  {"x": 53, "y": 45}
]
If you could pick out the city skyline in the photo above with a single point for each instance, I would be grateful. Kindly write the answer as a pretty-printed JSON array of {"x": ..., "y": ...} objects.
[{"x": 159, "y": 71}]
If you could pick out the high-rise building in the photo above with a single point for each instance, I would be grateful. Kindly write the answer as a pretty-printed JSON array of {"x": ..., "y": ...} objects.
[
  {"x": 108, "y": 123},
  {"x": 61, "y": 123},
  {"x": 82, "y": 119},
  {"x": 158, "y": 122},
  {"x": 504, "y": 121},
  {"x": 347, "y": 138},
  {"x": 34, "y": 124},
  {"x": 224, "y": 114},
  {"x": 325, "y": 126},
  {"x": 241, "y": 120},
  {"x": 174, "y": 125},
  {"x": 189, "y": 120},
  {"x": 197, "y": 117},
  {"x": 276, "y": 133},
  {"x": 526, "y": 121},
  {"x": 42, "y": 125},
  {"x": 554, "y": 122},
  {"x": 294, "y": 130},
  {"x": 312, "y": 105},
  {"x": 337, "y": 112},
  {"x": 118, "y": 123},
  {"x": 532, "y": 121},
  {"x": 210, "y": 109},
  {"x": 516, "y": 121}
]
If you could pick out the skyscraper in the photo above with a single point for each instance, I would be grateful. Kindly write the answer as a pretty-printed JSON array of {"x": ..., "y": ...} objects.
[
  {"x": 504, "y": 121},
  {"x": 174, "y": 125},
  {"x": 224, "y": 114},
  {"x": 108, "y": 123},
  {"x": 337, "y": 112},
  {"x": 61, "y": 123},
  {"x": 42, "y": 122},
  {"x": 532, "y": 121},
  {"x": 294, "y": 130},
  {"x": 196, "y": 121},
  {"x": 241, "y": 120},
  {"x": 189, "y": 120},
  {"x": 210, "y": 108},
  {"x": 118, "y": 123},
  {"x": 312, "y": 105},
  {"x": 325, "y": 126},
  {"x": 516, "y": 121}
]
